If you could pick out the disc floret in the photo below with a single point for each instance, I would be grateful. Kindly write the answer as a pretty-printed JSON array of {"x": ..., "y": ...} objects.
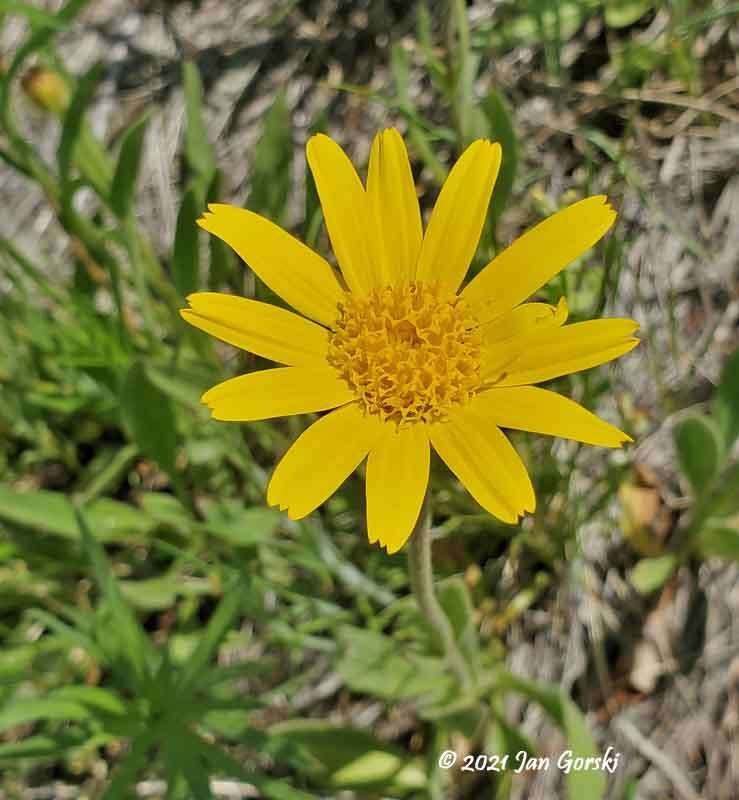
[{"x": 410, "y": 352}]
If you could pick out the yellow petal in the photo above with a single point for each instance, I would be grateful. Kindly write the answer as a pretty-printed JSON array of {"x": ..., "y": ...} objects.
[
  {"x": 537, "y": 256},
  {"x": 346, "y": 211},
  {"x": 459, "y": 215},
  {"x": 397, "y": 477},
  {"x": 260, "y": 328},
  {"x": 478, "y": 453},
  {"x": 528, "y": 408},
  {"x": 394, "y": 203},
  {"x": 321, "y": 459},
  {"x": 277, "y": 393},
  {"x": 292, "y": 270},
  {"x": 523, "y": 320},
  {"x": 571, "y": 349},
  {"x": 511, "y": 334}
]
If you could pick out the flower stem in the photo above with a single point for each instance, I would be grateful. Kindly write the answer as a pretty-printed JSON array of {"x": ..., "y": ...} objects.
[{"x": 422, "y": 583}]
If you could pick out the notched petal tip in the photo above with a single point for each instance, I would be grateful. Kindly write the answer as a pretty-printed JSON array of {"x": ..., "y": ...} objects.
[
  {"x": 388, "y": 548},
  {"x": 601, "y": 207},
  {"x": 617, "y": 442},
  {"x": 317, "y": 137},
  {"x": 283, "y": 504},
  {"x": 192, "y": 300},
  {"x": 214, "y": 209},
  {"x": 492, "y": 150},
  {"x": 273, "y": 501},
  {"x": 197, "y": 298},
  {"x": 608, "y": 206},
  {"x": 602, "y": 198}
]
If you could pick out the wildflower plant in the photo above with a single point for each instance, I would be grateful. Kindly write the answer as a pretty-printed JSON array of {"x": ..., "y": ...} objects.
[
  {"x": 159, "y": 623},
  {"x": 400, "y": 357}
]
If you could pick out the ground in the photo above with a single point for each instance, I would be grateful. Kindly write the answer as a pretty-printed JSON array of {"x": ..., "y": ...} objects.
[{"x": 658, "y": 676}]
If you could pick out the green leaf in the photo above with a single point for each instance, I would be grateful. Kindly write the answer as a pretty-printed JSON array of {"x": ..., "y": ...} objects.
[
  {"x": 95, "y": 698},
  {"x": 217, "y": 628},
  {"x": 698, "y": 445},
  {"x": 454, "y": 597},
  {"x": 378, "y": 665},
  {"x": 726, "y": 399},
  {"x": 74, "y": 122},
  {"x": 185, "y": 763},
  {"x": 312, "y": 214},
  {"x": 127, "y": 168},
  {"x": 622, "y": 13},
  {"x": 16, "y": 662},
  {"x": 718, "y": 540},
  {"x": 356, "y": 580},
  {"x": 52, "y": 512},
  {"x": 437, "y": 69},
  {"x": 20, "y": 712},
  {"x": 269, "y": 177},
  {"x": 106, "y": 471},
  {"x": 587, "y": 783},
  {"x": 160, "y": 593},
  {"x": 505, "y": 738},
  {"x": 185, "y": 259},
  {"x": 184, "y": 385},
  {"x": 651, "y": 574},
  {"x": 724, "y": 501},
  {"x": 149, "y": 415},
  {"x": 246, "y": 527},
  {"x": 124, "y": 776},
  {"x": 70, "y": 636},
  {"x": 345, "y": 758},
  {"x": 222, "y": 259},
  {"x": 132, "y": 644},
  {"x": 501, "y": 130},
  {"x": 167, "y": 510},
  {"x": 224, "y": 764},
  {"x": 198, "y": 150},
  {"x": 630, "y": 790},
  {"x": 34, "y": 15},
  {"x": 39, "y": 747}
]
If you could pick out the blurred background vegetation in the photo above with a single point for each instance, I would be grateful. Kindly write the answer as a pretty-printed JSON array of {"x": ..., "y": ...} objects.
[{"x": 164, "y": 634}]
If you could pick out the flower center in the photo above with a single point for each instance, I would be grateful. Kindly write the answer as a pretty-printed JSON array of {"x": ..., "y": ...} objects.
[{"x": 409, "y": 352}]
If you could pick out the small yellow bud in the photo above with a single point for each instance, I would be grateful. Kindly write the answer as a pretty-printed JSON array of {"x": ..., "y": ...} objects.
[
  {"x": 472, "y": 575},
  {"x": 47, "y": 89}
]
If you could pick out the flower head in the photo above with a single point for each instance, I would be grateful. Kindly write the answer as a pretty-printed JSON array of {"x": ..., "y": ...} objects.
[{"x": 405, "y": 360}]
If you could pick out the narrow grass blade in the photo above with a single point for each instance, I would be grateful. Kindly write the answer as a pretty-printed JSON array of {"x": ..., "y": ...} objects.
[
  {"x": 127, "y": 169},
  {"x": 185, "y": 260}
]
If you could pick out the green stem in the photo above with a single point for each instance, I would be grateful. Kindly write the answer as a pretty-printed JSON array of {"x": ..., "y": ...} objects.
[{"x": 422, "y": 583}]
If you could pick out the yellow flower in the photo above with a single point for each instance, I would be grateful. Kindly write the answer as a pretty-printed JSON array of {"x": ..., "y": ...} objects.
[{"x": 408, "y": 361}]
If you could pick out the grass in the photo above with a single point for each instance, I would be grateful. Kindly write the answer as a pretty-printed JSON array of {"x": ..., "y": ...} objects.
[{"x": 161, "y": 627}]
